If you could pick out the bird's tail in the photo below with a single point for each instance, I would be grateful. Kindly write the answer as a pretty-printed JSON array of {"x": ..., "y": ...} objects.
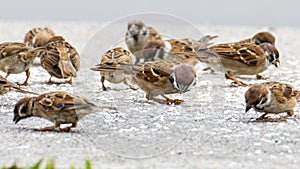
[
  {"x": 205, "y": 41},
  {"x": 125, "y": 68},
  {"x": 18, "y": 89}
]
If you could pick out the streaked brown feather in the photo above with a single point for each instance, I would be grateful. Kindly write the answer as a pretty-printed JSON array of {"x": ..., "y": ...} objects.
[
  {"x": 60, "y": 59},
  {"x": 152, "y": 72},
  {"x": 246, "y": 53},
  {"x": 37, "y": 37}
]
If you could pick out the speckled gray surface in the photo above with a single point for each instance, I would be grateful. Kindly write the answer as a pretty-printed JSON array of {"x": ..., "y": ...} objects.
[{"x": 209, "y": 130}]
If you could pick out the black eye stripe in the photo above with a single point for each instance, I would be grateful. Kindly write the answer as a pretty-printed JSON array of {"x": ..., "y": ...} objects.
[
  {"x": 23, "y": 109},
  {"x": 263, "y": 100}
]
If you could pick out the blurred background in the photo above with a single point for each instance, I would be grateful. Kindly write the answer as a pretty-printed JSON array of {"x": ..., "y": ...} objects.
[{"x": 208, "y": 12}]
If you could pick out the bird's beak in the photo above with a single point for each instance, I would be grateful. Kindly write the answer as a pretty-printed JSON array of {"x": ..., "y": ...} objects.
[
  {"x": 183, "y": 89},
  {"x": 277, "y": 63},
  {"x": 248, "y": 107},
  {"x": 16, "y": 119}
]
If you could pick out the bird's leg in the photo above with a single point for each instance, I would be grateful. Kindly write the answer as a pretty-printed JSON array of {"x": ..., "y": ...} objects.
[
  {"x": 69, "y": 81},
  {"x": 67, "y": 129},
  {"x": 262, "y": 117},
  {"x": 260, "y": 77},
  {"x": 209, "y": 69},
  {"x": 280, "y": 119},
  {"x": 235, "y": 81},
  {"x": 126, "y": 81},
  {"x": 102, "y": 82},
  {"x": 7, "y": 74},
  {"x": 25, "y": 83},
  {"x": 170, "y": 101},
  {"x": 49, "y": 128},
  {"x": 149, "y": 96},
  {"x": 50, "y": 81}
]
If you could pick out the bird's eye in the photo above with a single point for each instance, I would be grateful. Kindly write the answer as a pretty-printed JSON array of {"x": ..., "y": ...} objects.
[
  {"x": 177, "y": 86},
  {"x": 194, "y": 83},
  {"x": 23, "y": 110},
  {"x": 172, "y": 79},
  {"x": 256, "y": 102}
]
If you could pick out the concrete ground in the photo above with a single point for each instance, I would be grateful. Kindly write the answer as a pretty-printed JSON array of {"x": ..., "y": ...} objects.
[{"x": 209, "y": 130}]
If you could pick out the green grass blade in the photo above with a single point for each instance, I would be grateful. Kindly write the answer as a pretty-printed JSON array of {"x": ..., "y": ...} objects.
[
  {"x": 50, "y": 164},
  {"x": 88, "y": 164},
  {"x": 36, "y": 165}
]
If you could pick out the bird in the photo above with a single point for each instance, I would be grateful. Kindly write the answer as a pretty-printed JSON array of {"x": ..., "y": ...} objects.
[
  {"x": 260, "y": 37},
  {"x": 116, "y": 56},
  {"x": 272, "y": 98},
  {"x": 137, "y": 36},
  {"x": 7, "y": 86},
  {"x": 58, "y": 107},
  {"x": 158, "y": 78},
  {"x": 37, "y": 37},
  {"x": 240, "y": 58},
  {"x": 177, "y": 50},
  {"x": 17, "y": 57},
  {"x": 60, "y": 59}
]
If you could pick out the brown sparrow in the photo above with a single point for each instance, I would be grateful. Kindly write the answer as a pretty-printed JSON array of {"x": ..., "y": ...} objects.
[
  {"x": 176, "y": 50},
  {"x": 16, "y": 57},
  {"x": 137, "y": 36},
  {"x": 7, "y": 86},
  {"x": 272, "y": 97},
  {"x": 37, "y": 37},
  {"x": 159, "y": 78},
  {"x": 115, "y": 57},
  {"x": 60, "y": 59},
  {"x": 58, "y": 107},
  {"x": 241, "y": 58},
  {"x": 260, "y": 37}
]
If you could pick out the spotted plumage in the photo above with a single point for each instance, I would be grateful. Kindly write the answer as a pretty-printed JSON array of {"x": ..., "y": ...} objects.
[
  {"x": 60, "y": 59},
  {"x": 58, "y": 107},
  {"x": 272, "y": 98},
  {"x": 241, "y": 58},
  {"x": 37, "y": 37},
  {"x": 17, "y": 57},
  {"x": 115, "y": 57},
  {"x": 158, "y": 78},
  {"x": 137, "y": 36}
]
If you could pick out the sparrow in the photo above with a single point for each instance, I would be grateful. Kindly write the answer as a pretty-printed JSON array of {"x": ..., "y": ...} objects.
[
  {"x": 158, "y": 78},
  {"x": 115, "y": 57},
  {"x": 60, "y": 59},
  {"x": 37, "y": 37},
  {"x": 272, "y": 98},
  {"x": 7, "y": 86},
  {"x": 260, "y": 37},
  {"x": 58, "y": 107},
  {"x": 137, "y": 36},
  {"x": 177, "y": 50},
  {"x": 17, "y": 57},
  {"x": 240, "y": 58}
]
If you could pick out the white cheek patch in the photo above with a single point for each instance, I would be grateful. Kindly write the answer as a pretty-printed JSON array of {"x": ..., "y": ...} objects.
[
  {"x": 174, "y": 81},
  {"x": 144, "y": 29},
  {"x": 168, "y": 46},
  {"x": 266, "y": 103},
  {"x": 20, "y": 111}
]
